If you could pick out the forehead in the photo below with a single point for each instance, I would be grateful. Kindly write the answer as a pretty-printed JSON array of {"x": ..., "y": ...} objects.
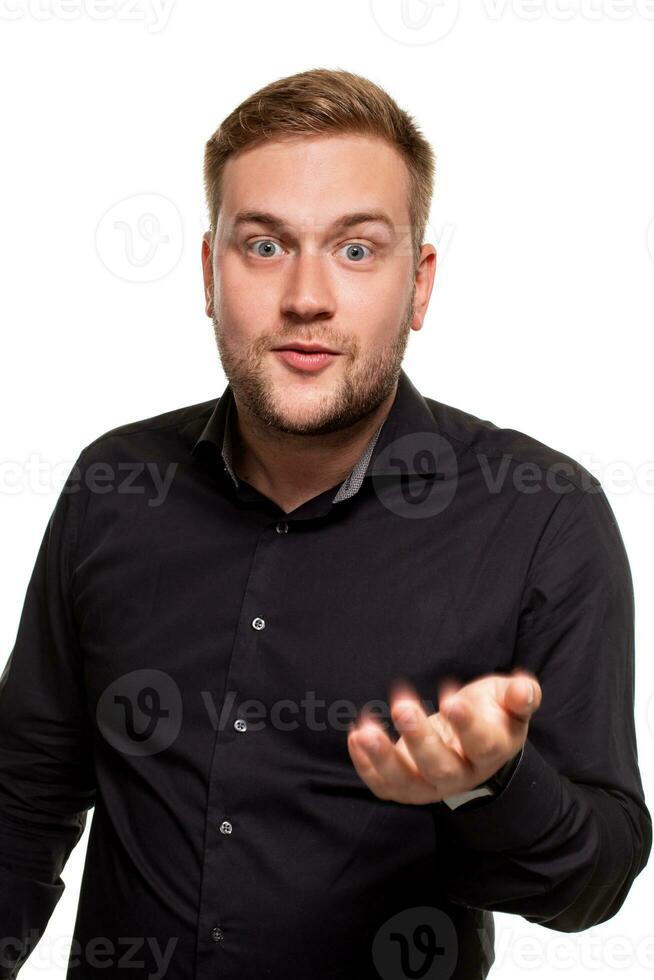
[{"x": 311, "y": 179}]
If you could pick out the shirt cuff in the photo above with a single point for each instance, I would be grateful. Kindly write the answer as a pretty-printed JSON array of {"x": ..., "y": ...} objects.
[
  {"x": 25, "y": 909},
  {"x": 525, "y": 809}
]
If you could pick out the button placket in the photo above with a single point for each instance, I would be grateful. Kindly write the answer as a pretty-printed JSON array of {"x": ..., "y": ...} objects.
[{"x": 246, "y": 645}]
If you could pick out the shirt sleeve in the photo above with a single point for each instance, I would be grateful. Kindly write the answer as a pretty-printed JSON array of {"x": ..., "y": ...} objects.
[
  {"x": 564, "y": 840},
  {"x": 47, "y": 780}
]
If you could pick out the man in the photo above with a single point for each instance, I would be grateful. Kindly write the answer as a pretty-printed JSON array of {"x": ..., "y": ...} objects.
[{"x": 363, "y": 671}]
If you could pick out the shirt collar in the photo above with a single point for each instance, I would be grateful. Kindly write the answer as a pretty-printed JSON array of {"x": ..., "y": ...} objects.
[{"x": 409, "y": 413}]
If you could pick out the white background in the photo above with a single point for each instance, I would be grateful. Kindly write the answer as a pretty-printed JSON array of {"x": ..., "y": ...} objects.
[{"x": 542, "y": 311}]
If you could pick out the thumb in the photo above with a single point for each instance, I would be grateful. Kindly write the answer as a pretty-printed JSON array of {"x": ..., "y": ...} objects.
[{"x": 522, "y": 695}]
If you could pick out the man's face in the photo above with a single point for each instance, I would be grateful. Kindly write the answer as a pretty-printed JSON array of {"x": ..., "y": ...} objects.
[{"x": 311, "y": 279}]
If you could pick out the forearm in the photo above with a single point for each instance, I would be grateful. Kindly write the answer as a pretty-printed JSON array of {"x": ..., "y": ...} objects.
[
  {"x": 47, "y": 774},
  {"x": 559, "y": 853},
  {"x": 25, "y": 909},
  {"x": 31, "y": 862}
]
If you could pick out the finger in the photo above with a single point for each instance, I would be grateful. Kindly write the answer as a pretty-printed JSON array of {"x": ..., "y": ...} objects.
[
  {"x": 428, "y": 743},
  {"x": 360, "y": 742},
  {"x": 457, "y": 712},
  {"x": 490, "y": 737},
  {"x": 380, "y": 765},
  {"x": 484, "y": 743},
  {"x": 447, "y": 687},
  {"x": 448, "y": 704},
  {"x": 401, "y": 689},
  {"x": 522, "y": 694}
]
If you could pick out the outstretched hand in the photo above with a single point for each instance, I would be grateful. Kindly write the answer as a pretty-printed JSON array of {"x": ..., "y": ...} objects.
[{"x": 478, "y": 727}]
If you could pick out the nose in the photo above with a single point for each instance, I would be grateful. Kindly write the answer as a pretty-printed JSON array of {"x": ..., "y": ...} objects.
[{"x": 308, "y": 292}]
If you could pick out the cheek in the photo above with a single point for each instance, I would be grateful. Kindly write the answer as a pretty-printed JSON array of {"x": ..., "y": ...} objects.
[
  {"x": 375, "y": 315},
  {"x": 383, "y": 295},
  {"x": 245, "y": 305}
]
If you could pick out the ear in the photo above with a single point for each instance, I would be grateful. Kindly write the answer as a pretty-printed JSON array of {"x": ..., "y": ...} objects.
[
  {"x": 207, "y": 273},
  {"x": 425, "y": 272}
]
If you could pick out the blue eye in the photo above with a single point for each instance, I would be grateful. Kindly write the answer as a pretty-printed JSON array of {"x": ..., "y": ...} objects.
[
  {"x": 264, "y": 248},
  {"x": 357, "y": 248},
  {"x": 263, "y": 241}
]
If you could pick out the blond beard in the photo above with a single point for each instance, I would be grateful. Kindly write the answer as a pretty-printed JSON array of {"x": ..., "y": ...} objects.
[{"x": 359, "y": 392}]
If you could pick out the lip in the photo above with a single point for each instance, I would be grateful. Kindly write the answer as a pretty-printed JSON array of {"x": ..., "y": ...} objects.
[
  {"x": 308, "y": 348},
  {"x": 310, "y": 361}
]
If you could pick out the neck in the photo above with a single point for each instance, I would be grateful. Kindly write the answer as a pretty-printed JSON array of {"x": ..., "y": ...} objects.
[{"x": 289, "y": 468}]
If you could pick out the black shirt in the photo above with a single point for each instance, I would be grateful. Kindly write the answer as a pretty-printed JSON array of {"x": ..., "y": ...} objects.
[{"x": 189, "y": 659}]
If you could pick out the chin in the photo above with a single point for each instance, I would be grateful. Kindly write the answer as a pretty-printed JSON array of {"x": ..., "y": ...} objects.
[{"x": 297, "y": 413}]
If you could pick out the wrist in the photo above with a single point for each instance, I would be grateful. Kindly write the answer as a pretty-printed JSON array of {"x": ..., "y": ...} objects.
[
  {"x": 502, "y": 777},
  {"x": 491, "y": 786}
]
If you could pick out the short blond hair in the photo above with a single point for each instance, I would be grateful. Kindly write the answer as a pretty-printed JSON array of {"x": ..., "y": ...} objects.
[{"x": 323, "y": 101}]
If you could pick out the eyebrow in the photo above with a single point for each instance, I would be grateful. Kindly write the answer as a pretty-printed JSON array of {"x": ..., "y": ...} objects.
[{"x": 348, "y": 220}]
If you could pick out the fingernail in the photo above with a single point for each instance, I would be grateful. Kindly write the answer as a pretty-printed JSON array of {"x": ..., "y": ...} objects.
[
  {"x": 530, "y": 696},
  {"x": 407, "y": 715},
  {"x": 373, "y": 742}
]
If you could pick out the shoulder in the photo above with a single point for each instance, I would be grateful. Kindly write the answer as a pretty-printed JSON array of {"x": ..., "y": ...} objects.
[
  {"x": 175, "y": 429},
  {"x": 521, "y": 455}
]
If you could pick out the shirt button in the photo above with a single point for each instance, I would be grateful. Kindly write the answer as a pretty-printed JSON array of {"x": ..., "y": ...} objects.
[
  {"x": 258, "y": 623},
  {"x": 225, "y": 827},
  {"x": 281, "y": 527},
  {"x": 217, "y": 934},
  {"x": 240, "y": 725}
]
